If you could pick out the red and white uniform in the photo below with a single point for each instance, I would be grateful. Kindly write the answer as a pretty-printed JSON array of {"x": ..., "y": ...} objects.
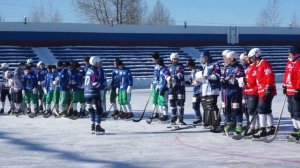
[
  {"x": 265, "y": 77},
  {"x": 251, "y": 85},
  {"x": 295, "y": 75},
  {"x": 288, "y": 77}
]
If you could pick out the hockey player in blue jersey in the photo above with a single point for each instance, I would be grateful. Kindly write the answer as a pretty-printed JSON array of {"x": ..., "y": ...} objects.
[
  {"x": 154, "y": 93},
  {"x": 48, "y": 88},
  {"x": 195, "y": 80},
  {"x": 30, "y": 83},
  {"x": 41, "y": 75},
  {"x": 76, "y": 84},
  {"x": 210, "y": 91},
  {"x": 114, "y": 85},
  {"x": 64, "y": 89},
  {"x": 91, "y": 94},
  {"x": 232, "y": 92},
  {"x": 124, "y": 91},
  {"x": 102, "y": 88},
  {"x": 176, "y": 83},
  {"x": 162, "y": 90}
]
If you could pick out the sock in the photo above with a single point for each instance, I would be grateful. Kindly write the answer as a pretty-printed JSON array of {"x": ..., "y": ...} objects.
[
  {"x": 128, "y": 106},
  {"x": 295, "y": 124},
  {"x": 114, "y": 105},
  {"x": 262, "y": 120},
  {"x": 270, "y": 121}
]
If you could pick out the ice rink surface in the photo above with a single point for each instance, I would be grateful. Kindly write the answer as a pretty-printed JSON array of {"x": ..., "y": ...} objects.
[{"x": 57, "y": 142}]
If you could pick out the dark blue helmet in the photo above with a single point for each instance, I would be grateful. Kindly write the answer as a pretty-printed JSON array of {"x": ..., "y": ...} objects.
[
  {"x": 205, "y": 53},
  {"x": 294, "y": 50}
]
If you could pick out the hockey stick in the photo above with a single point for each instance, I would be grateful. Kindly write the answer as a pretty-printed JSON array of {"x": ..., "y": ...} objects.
[
  {"x": 149, "y": 121},
  {"x": 238, "y": 137},
  {"x": 266, "y": 140},
  {"x": 108, "y": 112},
  {"x": 141, "y": 117}
]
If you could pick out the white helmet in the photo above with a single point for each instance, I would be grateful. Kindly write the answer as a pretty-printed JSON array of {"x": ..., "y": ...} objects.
[
  {"x": 94, "y": 60},
  {"x": 254, "y": 52},
  {"x": 225, "y": 52},
  {"x": 39, "y": 63},
  {"x": 29, "y": 61},
  {"x": 232, "y": 54},
  {"x": 4, "y": 65},
  {"x": 242, "y": 56},
  {"x": 174, "y": 55}
]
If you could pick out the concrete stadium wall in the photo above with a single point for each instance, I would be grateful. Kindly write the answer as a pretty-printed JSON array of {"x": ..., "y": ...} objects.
[{"x": 57, "y": 34}]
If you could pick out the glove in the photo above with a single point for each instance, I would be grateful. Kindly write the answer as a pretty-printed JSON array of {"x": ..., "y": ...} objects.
[
  {"x": 297, "y": 95},
  {"x": 129, "y": 89},
  {"x": 223, "y": 81},
  {"x": 34, "y": 91},
  {"x": 284, "y": 89},
  {"x": 267, "y": 91},
  {"x": 241, "y": 82}
]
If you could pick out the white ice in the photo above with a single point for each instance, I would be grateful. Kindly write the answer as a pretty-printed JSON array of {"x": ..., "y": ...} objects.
[{"x": 53, "y": 142}]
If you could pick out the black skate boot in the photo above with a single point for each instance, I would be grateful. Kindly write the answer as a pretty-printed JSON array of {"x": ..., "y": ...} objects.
[
  {"x": 41, "y": 108},
  {"x": 154, "y": 117},
  {"x": 47, "y": 114},
  {"x": 164, "y": 118},
  {"x": 93, "y": 128},
  {"x": 198, "y": 121},
  {"x": 181, "y": 122},
  {"x": 260, "y": 134},
  {"x": 33, "y": 114},
  {"x": 173, "y": 120},
  {"x": 2, "y": 111},
  {"x": 28, "y": 110},
  {"x": 81, "y": 114},
  {"x": 250, "y": 133},
  {"x": 115, "y": 113},
  {"x": 99, "y": 130},
  {"x": 129, "y": 116},
  {"x": 271, "y": 130},
  {"x": 123, "y": 115}
]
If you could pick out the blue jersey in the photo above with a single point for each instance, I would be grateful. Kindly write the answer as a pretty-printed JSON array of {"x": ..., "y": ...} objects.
[
  {"x": 196, "y": 88},
  {"x": 41, "y": 74},
  {"x": 155, "y": 75},
  {"x": 64, "y": 80},
  {"x": 115, "y": 79},
  {"x": 76, "y": 80},
  {"x": 176, "y": 72},
  {"x": 49, "y": 81},
  {"x": 231, "y": 74},
  {"x": 85, "y": 68},
  {"x": 30, "y": 82},
  {"x": 125, "y": 78},
  {"x": 162, "y": 82},
  {"x": 91, "y": 82},
  {"x": 102, "y": 78}
]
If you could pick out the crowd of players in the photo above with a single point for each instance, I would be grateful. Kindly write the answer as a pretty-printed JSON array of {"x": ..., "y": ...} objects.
[{"x": 245, "y": 82}]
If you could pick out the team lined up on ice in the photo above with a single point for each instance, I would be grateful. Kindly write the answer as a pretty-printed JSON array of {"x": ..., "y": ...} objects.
[{"x": 246, "y": 89}]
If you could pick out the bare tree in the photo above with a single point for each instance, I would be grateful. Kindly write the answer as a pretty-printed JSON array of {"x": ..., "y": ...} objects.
[
  {"x": 160, "y": 15},
  {"x": 269, "y": 17},
  {"x": 39, "y": 14},
  {"x": 103, "y": 11}
]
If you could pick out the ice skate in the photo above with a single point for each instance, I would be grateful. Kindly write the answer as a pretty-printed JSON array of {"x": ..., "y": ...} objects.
[{"x": 99, "y": 130}]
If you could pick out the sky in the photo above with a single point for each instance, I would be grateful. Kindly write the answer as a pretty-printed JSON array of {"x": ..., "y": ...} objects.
[{"x": 194, "y": 12}]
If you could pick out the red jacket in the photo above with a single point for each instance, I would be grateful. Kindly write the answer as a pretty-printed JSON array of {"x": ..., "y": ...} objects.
[
  {"x": 296, "y": 74},
  {"x": 265, "y": 77},
  {"x": 288, "y": 77},
  {"x": 251, "y": 86}
]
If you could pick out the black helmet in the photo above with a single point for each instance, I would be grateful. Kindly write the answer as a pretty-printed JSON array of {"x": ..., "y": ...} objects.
[
  {"x": 294, "y": 50},
  {"x": 160, "y": 62},
  {"x": 191, "y": 63}
]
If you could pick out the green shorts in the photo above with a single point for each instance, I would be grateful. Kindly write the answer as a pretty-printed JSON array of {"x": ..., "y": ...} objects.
[
  {"x": 78, "y": 97},
  {"x": 49, "y": 97},
  {"x": 113, "y": 96},
  {"x": 64, "y": 97},
  {"x": 154, "y": 97},
  {"x": 123, "y": 97},
  {"x": 31, "y": 98}
]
